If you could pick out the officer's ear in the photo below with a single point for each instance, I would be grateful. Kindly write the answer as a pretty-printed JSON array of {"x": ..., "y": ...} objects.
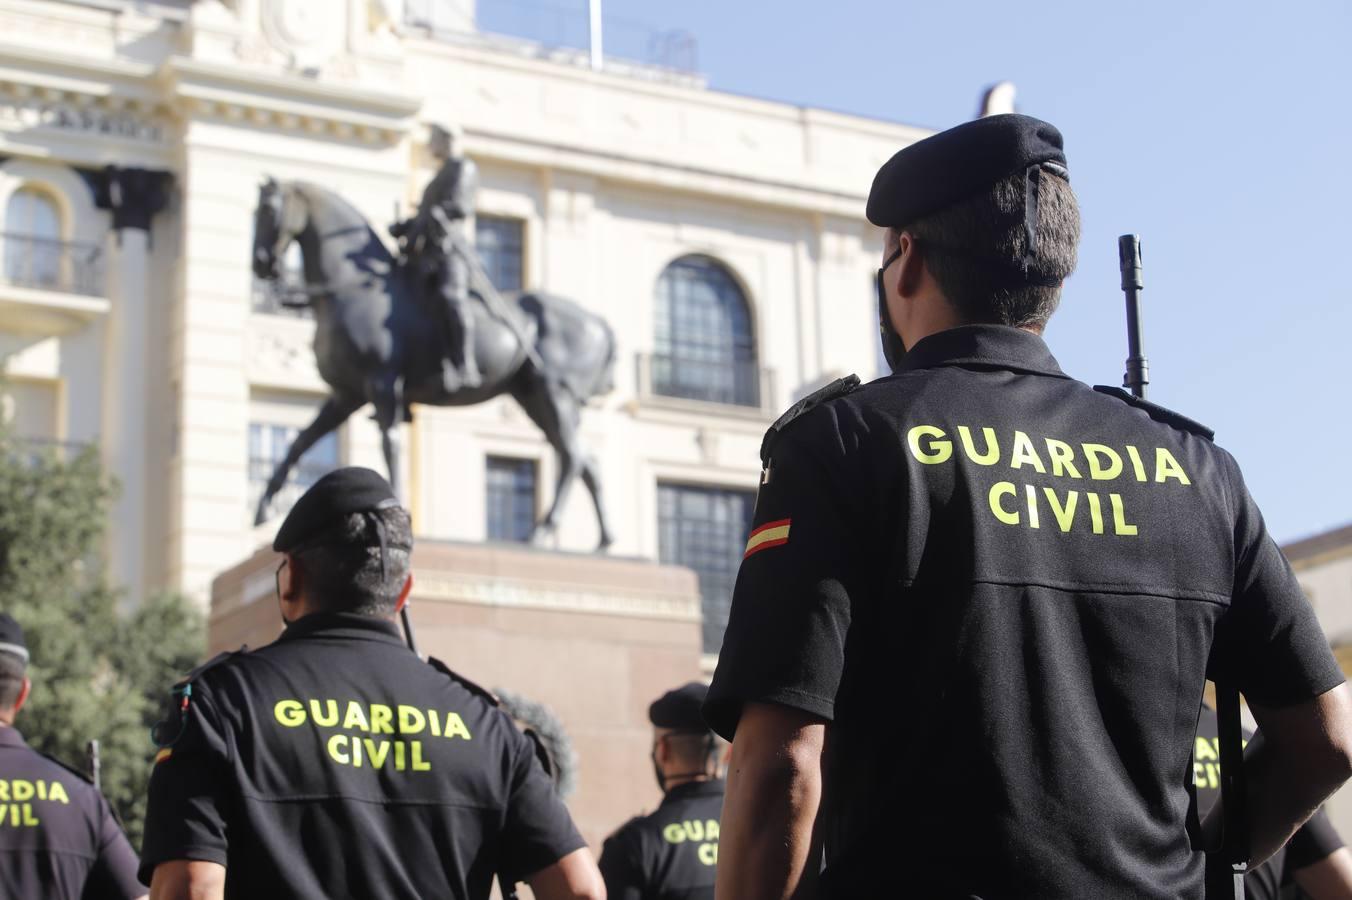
[
  {"x": 294, "y": 579},
  {"x": 403, "y": 594},
  {"x": 23, "y": 695},
  {"x": 910, "y": 268}
]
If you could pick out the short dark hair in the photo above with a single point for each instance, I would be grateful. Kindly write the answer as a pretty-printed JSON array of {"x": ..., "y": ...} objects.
[
  {"x": 975, "y": 251},
  {"x": 342, "y": 565},
  {"x": 12, "y": 672},
  {"x": 694, "y": 748}
]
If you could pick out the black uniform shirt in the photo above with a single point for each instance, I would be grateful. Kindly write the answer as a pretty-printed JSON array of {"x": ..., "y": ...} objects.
[
  {"x": 335, "y": 763},
  {"x": 1003, "y": 588},
  {"x": 1314, "y": 842},
  {"x": 671, "y": 854},
  {"x": 58, "y": 837}
]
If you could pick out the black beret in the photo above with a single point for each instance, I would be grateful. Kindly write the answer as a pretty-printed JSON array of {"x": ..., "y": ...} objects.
[
  {"x": 339, "y": 493},
  {"x": 680, "y": 708},
  {"x": 953, "y": 165},
  {"x": 11, "y": 637}
]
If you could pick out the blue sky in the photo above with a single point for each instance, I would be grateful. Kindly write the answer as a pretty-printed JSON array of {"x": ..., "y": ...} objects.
[{"x": 1220, "y": 132}]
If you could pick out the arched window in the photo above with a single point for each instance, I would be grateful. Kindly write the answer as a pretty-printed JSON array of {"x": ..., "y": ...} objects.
[
  {"x": 704, "y": 348},
  {"x": 33, "y": 245}
]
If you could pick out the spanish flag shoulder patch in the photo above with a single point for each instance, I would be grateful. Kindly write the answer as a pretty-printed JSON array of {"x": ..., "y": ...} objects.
[
  {"x": 771, "y": 534},
  {"x": 164, "y": 754}
]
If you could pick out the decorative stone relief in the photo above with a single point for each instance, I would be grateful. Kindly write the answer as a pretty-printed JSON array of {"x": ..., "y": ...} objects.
[
  {"x": 311, "y": 32},
  {"x": 22, "y": 107},
  {"x": 436, "y": 585},
  {"x": 279, "y": 355}
]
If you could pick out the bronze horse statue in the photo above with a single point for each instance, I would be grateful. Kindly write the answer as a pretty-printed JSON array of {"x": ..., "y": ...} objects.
[{"x": 377, "y": 342}]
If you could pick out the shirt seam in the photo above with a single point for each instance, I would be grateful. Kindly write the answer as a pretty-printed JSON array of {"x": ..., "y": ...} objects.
[
  {"x": 382, "y": 801},
  {"x": 1105, "y": 587},
  {"x": 51, "y": 851}
]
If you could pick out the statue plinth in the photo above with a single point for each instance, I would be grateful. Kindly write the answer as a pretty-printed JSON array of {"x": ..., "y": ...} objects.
[{"x": 595, "y": 638}]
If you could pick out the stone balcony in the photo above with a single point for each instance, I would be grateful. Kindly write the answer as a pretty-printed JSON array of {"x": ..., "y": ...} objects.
[{"x": 50, "y": 287}]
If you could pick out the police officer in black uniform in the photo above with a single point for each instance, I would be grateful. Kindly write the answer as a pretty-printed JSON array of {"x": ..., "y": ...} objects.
[
  {"x": 59, "y": 839},
  {"x": 672, "y": 853},
  {"x": 336, "y": 763},
  {"x": 980, "y": 599},
  {"x": 1315, "y": 860}
]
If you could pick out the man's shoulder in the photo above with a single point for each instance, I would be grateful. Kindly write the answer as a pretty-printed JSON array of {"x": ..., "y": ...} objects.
[
  {"x": 801, "y": 417},
  {"x": 32, "y": 764},
  {"x": 639, "y": 830},
  {"x": 1157, "y": 413}
]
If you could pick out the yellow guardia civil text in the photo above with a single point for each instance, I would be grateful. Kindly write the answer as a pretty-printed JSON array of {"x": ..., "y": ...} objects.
[
  {"x": 373, "y": 735},
  {"x": 21, "y": 799},
  {"x": 1099, "y": 510}
]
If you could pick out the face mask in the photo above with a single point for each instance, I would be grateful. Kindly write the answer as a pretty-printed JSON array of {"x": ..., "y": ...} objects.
[
  {"x": 893, "y": 349},
  {"x": 657, "y": 770}
]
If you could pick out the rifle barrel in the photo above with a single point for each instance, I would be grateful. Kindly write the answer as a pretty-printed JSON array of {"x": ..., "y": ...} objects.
[{"x": 1137, "y": 375}]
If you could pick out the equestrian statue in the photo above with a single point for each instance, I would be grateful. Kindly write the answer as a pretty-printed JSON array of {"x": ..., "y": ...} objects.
[{"x": 429, "y": 327}]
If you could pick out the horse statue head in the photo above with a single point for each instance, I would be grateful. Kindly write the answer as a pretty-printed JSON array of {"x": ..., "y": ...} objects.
[{"x": 279, "y": 219}]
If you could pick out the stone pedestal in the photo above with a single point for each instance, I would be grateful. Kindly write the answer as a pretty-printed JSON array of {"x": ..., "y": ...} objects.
[{"x": 594, "y": 638}]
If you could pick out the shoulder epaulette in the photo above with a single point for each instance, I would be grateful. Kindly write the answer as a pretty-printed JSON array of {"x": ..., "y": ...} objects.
[
  {"x": 473, "y": 688},
  {"x": 838, "y": 388},
  {"x": 83, "y": 776},
  {"x": 1158, "y": 413},
  {"x": 212, "y": 663},
  {"x": 167, "y": 731}
]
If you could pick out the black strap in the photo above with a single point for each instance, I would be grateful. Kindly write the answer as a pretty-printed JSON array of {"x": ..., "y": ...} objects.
[
  {"x": 1234, "y": 797},
  {"x": 1032, "y": 181}
]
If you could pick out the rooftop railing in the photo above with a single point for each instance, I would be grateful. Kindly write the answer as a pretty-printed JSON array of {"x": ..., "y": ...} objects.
[{"x": 555, "y": 27}]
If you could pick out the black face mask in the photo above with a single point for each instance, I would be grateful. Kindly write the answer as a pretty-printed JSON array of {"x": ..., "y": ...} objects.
[
  {"x": 893, "y": 348},
  {"x": 657, "y": 770}
]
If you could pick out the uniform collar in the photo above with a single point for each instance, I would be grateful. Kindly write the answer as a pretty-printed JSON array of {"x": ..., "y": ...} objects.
[
  {"x": 989, "y": 346},
  {"x": 10, "y": 737},
  {"x": 708, "y": 788},
  {"x": 343, "y": 625}
]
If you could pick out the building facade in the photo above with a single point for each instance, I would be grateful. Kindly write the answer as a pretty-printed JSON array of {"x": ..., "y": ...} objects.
[{"x": 721, "y": 237}]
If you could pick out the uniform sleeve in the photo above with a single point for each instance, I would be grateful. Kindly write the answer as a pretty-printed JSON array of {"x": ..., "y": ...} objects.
[
  {"x": 538, "y": 831},
  {"x": 1277, "y": 652},
  {"x": 1315, "y": 842},
  {"x": 785, "y": 641},
  {"x": 622, "y": 866},
  {"x": 189, "y": 792},
  {"x": 113, "y": 875}
]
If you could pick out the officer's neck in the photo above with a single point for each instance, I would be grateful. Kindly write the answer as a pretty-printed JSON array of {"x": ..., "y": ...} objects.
[
  {"x": 929, "y": 312},
  {"x": 671, "y": 782}
]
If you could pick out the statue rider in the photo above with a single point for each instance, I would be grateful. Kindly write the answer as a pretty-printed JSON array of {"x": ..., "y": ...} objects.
[{"x": 434, "y": 244}]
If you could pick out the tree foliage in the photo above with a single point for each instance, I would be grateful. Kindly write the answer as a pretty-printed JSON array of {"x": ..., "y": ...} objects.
[{"x": 100, "y": 667}]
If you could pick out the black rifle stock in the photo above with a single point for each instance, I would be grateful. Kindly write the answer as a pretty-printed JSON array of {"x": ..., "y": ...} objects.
[
  {"x": 408, "y": 627},
  {"x": 1234, "y": 801},
  {"x": 95, "y": 765}
]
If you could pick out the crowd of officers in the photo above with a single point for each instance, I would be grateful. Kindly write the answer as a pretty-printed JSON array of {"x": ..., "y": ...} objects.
[{"x": 966, "y": 656}]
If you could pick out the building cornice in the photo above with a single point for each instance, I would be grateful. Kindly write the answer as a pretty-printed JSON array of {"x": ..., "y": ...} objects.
[
  {"x": 84, "y": 75},
  {"x": 659, "y": 174},
  {"x": 289, "y": 102}
]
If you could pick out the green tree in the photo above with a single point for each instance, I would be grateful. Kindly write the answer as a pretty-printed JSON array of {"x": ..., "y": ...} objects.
[{"x": 100, "y": 669}]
